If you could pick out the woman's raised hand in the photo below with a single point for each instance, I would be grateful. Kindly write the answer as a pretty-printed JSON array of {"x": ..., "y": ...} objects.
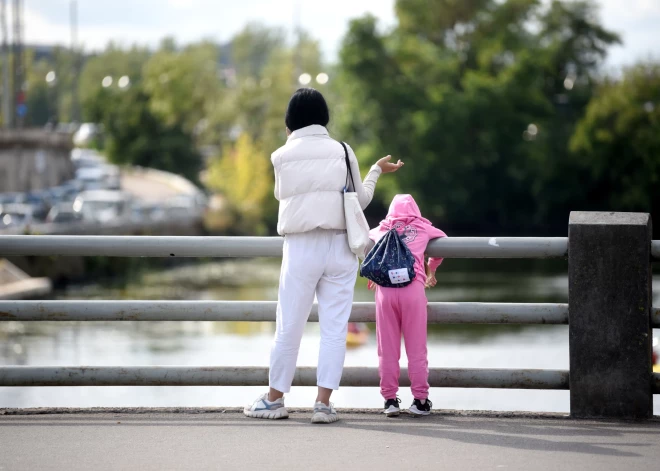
[{"x": 388, "y": 167}]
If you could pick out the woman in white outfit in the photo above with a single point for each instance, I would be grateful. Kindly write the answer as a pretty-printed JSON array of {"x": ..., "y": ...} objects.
[{"x": 310, "y": 178}]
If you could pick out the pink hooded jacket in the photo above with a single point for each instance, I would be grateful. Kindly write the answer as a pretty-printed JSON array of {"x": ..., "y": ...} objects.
[{"x": 416, "y": 232}]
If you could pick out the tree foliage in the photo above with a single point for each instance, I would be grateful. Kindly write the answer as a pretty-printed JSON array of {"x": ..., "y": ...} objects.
[
  {"x": 476, "y": 96},
  {"x": 136, "y": 136},
  {"x": 617, "y": 143},
  {"x": 183, "y": 85},
  {"x": 239, "y": 174},
  {"x": 140, "y": 129}
]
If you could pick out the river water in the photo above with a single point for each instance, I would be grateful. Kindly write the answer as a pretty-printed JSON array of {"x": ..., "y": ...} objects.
[{"x": 248, "y": 344}]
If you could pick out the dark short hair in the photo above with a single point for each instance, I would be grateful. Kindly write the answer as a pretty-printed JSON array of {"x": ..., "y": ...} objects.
[{"x": 306, "y": 107}]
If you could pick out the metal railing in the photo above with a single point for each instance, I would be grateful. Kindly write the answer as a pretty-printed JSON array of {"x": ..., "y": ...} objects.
[
  {"x": 229, "y": 247},
  {"x": 655, "y": 249},
  {"x": 264, "y": 311},
  {"x": 130, "y": 246},
  {"x": 258, "y": 376}
]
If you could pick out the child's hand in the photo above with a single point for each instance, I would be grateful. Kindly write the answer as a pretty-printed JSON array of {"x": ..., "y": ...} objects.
[
  {"x": 431, "y": 281},
  {"x": 371, "y": 286},
  {"x": 430, "y": 276}
]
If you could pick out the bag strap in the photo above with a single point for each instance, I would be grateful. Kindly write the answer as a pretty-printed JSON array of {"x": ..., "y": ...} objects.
[{"x": 348, "y": 166}]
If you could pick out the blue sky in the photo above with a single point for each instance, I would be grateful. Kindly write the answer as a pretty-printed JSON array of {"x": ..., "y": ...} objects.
[{"x": 147, "y": 21}]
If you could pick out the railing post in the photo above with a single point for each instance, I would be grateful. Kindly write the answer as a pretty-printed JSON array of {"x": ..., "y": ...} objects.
[{"x": 609, "y": 278}]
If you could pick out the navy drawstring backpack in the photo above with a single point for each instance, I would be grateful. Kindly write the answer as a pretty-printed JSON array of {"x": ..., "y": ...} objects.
[{"x": 390, "y": 263}]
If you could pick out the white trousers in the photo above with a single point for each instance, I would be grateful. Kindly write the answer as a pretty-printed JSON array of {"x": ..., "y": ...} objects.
[{"x": 318, "y": 262}]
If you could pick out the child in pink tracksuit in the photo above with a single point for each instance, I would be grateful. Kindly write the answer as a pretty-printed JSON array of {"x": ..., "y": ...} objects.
[{"x": 403, "y": 310}]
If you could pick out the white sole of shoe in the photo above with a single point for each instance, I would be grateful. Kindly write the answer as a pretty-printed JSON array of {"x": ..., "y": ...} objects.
[
  {"x": 321, "y": 418},
  {"x": 418, "y": 413},
  {"x": 276, "y": 414},
  {"x": 392, "y": 412}
]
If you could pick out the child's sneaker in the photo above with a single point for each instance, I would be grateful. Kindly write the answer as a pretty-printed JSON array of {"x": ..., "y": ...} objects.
[
  {"x": 420, "y": 407},
  {"x": 262, "y": 408},
  {"x": 392, "y": 407},
  {"x": 324, "y": 414}
]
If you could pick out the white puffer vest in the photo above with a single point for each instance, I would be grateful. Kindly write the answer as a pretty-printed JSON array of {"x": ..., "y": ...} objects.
[{"x": 310, "y": 175}]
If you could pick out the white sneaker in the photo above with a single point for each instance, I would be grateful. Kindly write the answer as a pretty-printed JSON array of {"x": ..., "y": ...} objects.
[
  {"x": 262, "y": 408},
  {"x": 324, "y": 414}
]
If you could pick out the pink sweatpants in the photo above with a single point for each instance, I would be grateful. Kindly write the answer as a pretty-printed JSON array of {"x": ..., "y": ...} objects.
[{"x": 402, "y": 310}]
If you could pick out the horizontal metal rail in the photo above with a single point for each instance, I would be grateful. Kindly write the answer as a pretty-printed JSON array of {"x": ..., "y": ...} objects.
[
  {"x": 141, "y": 246},
  {"x": 655, "y": 250},
  {"x": 499, "y": 247},
  {"x": 254, "y": 311},
  {"x": 190, "y": 246},
  {"x": 258, "y": 376},
  {"x": 168, "y": 246}
]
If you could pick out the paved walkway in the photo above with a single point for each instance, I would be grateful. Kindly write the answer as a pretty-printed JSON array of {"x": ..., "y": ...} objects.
[
  {"x": 365, "y": 441},
  {"x": 147, "y": 189}
]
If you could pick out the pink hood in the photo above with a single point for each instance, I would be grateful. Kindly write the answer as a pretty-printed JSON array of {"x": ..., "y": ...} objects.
[{"x": 403, "y": 212}]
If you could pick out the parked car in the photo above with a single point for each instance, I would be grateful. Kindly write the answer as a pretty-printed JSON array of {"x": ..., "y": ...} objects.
[
  {"x": 65, "y": 193},
  {"x": 144, "y": 213},
  {"x": 39, "y": 201},
  {"x": 101, "y": 177},
  {"x": 16, "y": 215},
  {"x": 56, "y": 195},
  {"x": 9, "y": 198},
  {"x": 63, "y": 213},
  {"x": 86, "y": 158},
  {"x": 112, "y": 177},
  {"x": 102, "y": 206},
  {"x": 176, "y": 210},
  {"x": 72, "y": 188},
  {"x": 92, "y": 178},
  {"x": 195, "y": 204}
]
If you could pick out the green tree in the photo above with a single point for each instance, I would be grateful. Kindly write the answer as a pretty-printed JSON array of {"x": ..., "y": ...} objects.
[
  {"x": 253, "y": 47},
  {"x": 114, "y": 63},
  {"x": 51, "y": 100},
  {"x": 617, "y": 143},
  {"x": 145, "y": 124},
  {"x": 183, "y": 85},
  {"x": 41, "y": 96},
  {"x": 135, "y": 136},
  {"x": 244, "y": 176},
  {"x": 477, "y": 100}
]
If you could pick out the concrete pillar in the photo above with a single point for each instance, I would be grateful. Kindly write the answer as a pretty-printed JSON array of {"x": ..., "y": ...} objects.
[
  {"x": 34, "y": 159},
  {"x": 609, "y": 278}
]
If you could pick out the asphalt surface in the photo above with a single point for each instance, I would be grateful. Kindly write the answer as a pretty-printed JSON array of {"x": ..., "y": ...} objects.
[
  {"x": 147, "y": 189},
  {"x": 158, "y": 441}
]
